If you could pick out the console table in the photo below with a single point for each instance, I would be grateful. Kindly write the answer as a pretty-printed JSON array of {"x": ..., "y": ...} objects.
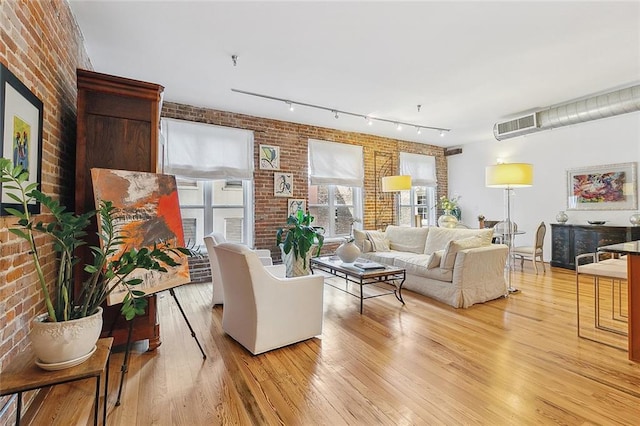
[
  {"x": 570, "y": 240},
  {"x": 22, "y": 374}
]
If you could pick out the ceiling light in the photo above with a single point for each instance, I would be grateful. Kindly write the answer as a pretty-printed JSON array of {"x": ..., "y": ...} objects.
[
  {"x": 290, "y": 106},
  {"x": 441, "y": 133},
  {"x": 418, "y": 130},
  {"x": 336, "y": 113}
]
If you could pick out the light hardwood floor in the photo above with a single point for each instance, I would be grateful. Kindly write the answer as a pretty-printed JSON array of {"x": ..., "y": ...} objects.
[{"x": 513, "y": 361}]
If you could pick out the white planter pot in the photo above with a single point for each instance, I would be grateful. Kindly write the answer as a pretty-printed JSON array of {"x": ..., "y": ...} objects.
[
  {"x": 64, "y": 344},
  {"x": 296, "y": 267}
]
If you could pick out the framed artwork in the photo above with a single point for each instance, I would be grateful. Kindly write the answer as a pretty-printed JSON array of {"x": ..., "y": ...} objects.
[
  {"x": 21, "y": 130},
  {"x": 269, "y": 157},
  {"x": 607, "y": 187},
  {"x": 283, "y": 184},
  {"x": 295, "y": 204},
  {"x": 148, "y": 213}
]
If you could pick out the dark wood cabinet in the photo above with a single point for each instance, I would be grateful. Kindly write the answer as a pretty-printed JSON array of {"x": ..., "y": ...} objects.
[
  {"x": 118, "y": 128},
  {"x": 568, "y": 241}
]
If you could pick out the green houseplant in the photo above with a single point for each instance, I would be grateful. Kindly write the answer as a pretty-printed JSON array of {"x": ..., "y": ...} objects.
[
  {"x": 67, "y": 230},
  {"x": 297, "y": 238}
]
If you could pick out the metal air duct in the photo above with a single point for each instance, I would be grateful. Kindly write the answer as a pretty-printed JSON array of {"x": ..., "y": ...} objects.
[{"x": 601, "y": 106}]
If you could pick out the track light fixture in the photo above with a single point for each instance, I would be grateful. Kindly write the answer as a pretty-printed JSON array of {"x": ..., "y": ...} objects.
[{"x": 336, "y": 113}]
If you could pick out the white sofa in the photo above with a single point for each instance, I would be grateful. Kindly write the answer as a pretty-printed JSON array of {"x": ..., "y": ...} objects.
[{"x": 459, "y": 267}]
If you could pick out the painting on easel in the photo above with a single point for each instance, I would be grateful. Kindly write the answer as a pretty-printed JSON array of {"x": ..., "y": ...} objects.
[{"x": 148, "y": 213}]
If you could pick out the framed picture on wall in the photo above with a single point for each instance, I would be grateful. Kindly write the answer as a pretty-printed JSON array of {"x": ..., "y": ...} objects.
[
  {"x": 295, "y": 204},
  {"x": 283, "y": 184},
  {"x": 269, "y": 157},
  {"x": 607, "y": 187},
  {"x": 21, "y": 130}
]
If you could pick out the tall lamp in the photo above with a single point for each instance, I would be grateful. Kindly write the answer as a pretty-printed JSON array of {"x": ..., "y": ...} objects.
[
  {"x": 396, "y": 184},
  {"x": 509, "y": 176}
]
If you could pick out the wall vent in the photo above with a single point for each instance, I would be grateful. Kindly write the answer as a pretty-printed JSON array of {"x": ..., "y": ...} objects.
[{"x": 517, "y": 126}]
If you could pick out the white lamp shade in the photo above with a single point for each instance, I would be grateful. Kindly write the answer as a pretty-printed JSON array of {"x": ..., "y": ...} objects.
[
  {"x": 396, "y": 183},
  {"x": 511, "y": 175}
]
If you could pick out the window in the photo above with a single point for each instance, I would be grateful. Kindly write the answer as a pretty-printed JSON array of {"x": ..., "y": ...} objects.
[
  {"x": 335, "y": 207},
  {"x": 215, "y": 205},
  {"x": 418, "y": 204},
  {"x": 421, "y": 200},
  {"x": 216, "y": 191},
  {"x": 336, "y": 178}
]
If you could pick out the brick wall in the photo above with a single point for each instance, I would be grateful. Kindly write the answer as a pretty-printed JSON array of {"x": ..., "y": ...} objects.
[
  {"x": 41, "y": 44},
  {"x": 270, "y": 211}
]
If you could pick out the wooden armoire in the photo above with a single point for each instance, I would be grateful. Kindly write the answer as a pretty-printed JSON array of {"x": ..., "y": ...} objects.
[{"x": 118, "y": 128}]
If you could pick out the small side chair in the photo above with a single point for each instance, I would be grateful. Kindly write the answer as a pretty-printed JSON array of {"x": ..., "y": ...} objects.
[{"x": 534, "y": 252}]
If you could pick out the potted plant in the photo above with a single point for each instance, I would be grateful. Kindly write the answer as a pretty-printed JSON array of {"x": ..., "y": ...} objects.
[
  {"x": 104, "y": 275},
  {"x": 296, "y": 241}
]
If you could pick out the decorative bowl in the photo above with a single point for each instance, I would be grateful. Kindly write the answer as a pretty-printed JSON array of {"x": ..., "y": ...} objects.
[{"x": 596, "y": 222}]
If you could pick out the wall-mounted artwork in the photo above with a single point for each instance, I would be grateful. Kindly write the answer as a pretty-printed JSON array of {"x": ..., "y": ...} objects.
[
  {"x": 148, "y": 213},
  {"x": 283, "y": 184},
  {"x": 21, "y": 130},
  {"x": 295, "y": 204},
  {"x": 269, "y": 157},
  {"x": 607, "y": 187}
]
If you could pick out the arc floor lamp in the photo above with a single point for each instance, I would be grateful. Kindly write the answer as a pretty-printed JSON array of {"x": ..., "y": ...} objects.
[{"x": 509, "y": 176}]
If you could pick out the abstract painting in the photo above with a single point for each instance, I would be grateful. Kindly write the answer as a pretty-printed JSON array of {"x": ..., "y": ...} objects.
[
  {"x": 608, "y": 187},
  {"x": 282, "y": 184},
  {"x": 148, "y": 213},
  {"x": 296, "y": 204}
]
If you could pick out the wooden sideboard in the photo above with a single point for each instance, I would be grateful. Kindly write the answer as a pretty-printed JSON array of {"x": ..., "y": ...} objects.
[
  {"x": 118, "y": 128},
  {"x": 568, "y": 240}
]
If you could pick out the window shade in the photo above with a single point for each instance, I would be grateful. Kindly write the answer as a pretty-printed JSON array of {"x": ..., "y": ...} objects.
[
  {"x": 205, "y": 151},
  {"x": 421, "y": 168},
  {"x": 332, "y": 163}
]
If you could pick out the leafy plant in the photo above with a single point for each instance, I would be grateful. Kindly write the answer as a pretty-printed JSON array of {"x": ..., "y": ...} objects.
[
  {"x": 448, "y": 203},
  {"x": 67, "y": 230},
  {"x": 300, "y": 236}
]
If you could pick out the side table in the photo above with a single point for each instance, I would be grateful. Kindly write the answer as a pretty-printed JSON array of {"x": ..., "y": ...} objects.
[{"x": 22, "y": 374}]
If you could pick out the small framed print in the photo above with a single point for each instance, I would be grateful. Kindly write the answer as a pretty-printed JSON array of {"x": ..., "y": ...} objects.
[
  {"x": 606, "y": 187},
  {"x": 269, "y": 157},
  {"x": 295, "y": 204},
  {"x": 282, "y": 184}
]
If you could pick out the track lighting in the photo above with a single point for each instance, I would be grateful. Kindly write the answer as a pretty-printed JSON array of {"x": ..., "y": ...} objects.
[
  {"x": 336, "y": 113},
  {"x": 442, "y": 133}
]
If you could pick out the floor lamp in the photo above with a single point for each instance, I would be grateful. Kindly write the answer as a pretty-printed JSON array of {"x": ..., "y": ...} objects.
[
  {"x": 509, "y": 176},
  {"x": 396, "y": 184}
]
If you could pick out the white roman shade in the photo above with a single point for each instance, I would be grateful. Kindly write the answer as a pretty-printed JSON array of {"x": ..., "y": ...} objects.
[
  {"x": 332, "y": 163},
  {"x": 421, "y": 168},
  {"x": 205, "y": 151}
]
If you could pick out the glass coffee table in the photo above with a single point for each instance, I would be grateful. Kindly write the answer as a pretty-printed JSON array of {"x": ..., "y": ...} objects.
[{"x": 383, "y": 277}]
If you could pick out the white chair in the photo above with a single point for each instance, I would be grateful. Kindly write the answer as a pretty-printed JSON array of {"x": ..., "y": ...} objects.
[
  {"x": 615, "y": 271},
  {"x": 263, "y": 312},
  {"x": 532, "y": 252},
  {"x": 216, "y": 238}
]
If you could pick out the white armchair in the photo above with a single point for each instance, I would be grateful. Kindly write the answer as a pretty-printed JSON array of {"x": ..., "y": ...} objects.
[
  {"x": 263, "y": 312},
  {"x": 216, "y": 238}
]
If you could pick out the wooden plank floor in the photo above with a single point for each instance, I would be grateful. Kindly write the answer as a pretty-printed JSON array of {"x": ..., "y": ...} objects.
[{"x": 513, "y": 361}]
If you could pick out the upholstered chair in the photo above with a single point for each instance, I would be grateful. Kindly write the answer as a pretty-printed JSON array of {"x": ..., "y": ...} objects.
[
  {"x": 534, "y": 252},
  {"x": 263, "y": 312},
  {"x": 216, "y": 238}
]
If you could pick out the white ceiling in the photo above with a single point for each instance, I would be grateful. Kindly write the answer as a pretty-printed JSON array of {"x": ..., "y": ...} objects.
[{"x": 468, "y": 64}]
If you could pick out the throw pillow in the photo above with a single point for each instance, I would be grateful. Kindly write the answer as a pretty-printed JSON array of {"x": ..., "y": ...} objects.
[
  {"x": 359, "y": 239},
  {"x": 453, "y": 247},
  {"x": 435, "y": 259},
  {"x": 378, "y": 241}
]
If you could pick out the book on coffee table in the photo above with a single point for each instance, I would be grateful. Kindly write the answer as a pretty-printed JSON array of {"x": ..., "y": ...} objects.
[{"x": 367, "y": 264}]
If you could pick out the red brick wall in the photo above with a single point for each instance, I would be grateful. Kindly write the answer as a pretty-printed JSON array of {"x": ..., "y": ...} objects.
[
  {"x": 41, "y": 44},
  {"x": 270, "y": 211}
]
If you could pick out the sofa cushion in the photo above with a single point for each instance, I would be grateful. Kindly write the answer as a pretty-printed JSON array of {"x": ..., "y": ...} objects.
[
  {"x": 402, "y": 238},
  {"x": 378, "y": 241},
  {"x": 384, "y": 257},
  {"x": 417, "y": 265},
  {"x": 434, "y": 259},
  {"x": 454, "y": 246},
  {"x": 361, "y": 241},
  {"x": 437, "y": 238}
]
